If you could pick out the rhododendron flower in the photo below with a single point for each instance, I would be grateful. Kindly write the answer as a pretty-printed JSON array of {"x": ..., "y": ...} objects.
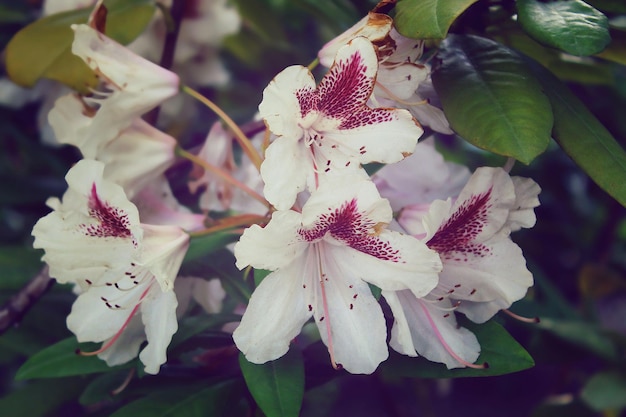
[
  {"x": 420, "y": 178},
  {"x": 158, "y": 205},
  {"x": 329, "y": 129},
  {"x": 218, "y": 195},
  {"x": 322, "y": 260},
  {"x": 130, "y": 87},
  {"x": 483, "y": 270},
  {"x": 93, "y": 238}
]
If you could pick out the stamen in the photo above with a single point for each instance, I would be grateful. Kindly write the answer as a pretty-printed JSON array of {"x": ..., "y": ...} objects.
[
  {"x": 522, "y": 318},
  {"x": 329, "y": 336},
  {"x": 127, "y": 380},
  {"x": 447, "y": 347}
]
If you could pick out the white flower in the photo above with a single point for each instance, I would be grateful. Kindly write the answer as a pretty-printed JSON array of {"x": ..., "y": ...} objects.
[
  {"x": 125, "y": 269},
  {"x": 131, "y": 86},
  {"x": 329, "y": 128},
  {"x": 483, "y": 270},
  {"x": 322, "y": 260}
]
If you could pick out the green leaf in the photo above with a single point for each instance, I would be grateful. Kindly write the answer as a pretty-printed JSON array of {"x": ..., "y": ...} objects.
[
  {"x": 492, "y": 99},
  {"x": 572, "y": 26},
  {"x": 43, "y": 49},
  {"x": 428, "y": 19},
  {"x": 605, "y": 391},
  {"x": 276, "y": 386},
  {"x": 61, "y": 360},
  {"x": 200, "y": 400},
  {"x": 40, "y": 398},
  {"x": 101, "y": 387},
  {"x": 503, "y": 354},
  {"x": 584, "y": 138},
  {"x": 586, "y": 335},
  {"x": 203, "y": 245}
]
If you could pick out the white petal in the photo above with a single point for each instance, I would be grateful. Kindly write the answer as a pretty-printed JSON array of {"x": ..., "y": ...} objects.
[
  {"x": 158, "y": 313},
  {"x": 285, "y": 171},
  {"x": 420, "y": 178},
  {"x": 338, "y": 190},
  {"x": 382, "y": 135},
  {"x": 145, "y": 83},
  {"x": 413, "y": 266},
  {"x": 431, "y": 328},
  {"x": 126, "y": 347},
  {"x": 526, "y": 199},
  {"x": 275, "y": 315},
  {"x": 374, "y": 26},
  {"x": 401, "y": 338},
  {"x": 164, "y": 248},
  {"x": 73, "y": 124},
  {"x": 157, "y": 205},
  {"x": 399, "y": 82},
  {"x": 501, "y": 276},
  {"x": 357, "y": 326},
  {"x": 139, "y": 155},
  {"x": 273, "y": 246},
  {"x": 280, "y": 107}
]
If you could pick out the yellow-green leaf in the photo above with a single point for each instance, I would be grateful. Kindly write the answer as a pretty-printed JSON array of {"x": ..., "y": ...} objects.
[{"x": 43, "y": 49}]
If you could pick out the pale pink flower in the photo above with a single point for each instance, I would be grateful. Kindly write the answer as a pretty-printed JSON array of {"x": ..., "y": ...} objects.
[
  {"x": 217, "y": 194},
  {"x": 322, "y": 260}
]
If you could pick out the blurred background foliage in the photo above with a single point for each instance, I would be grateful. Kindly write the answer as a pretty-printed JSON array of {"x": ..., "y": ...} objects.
[{"x": 577, "y": 250}]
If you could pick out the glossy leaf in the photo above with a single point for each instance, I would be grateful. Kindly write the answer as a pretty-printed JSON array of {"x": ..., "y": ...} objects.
[
  {"x": 43, "y": 49},
  {"x": 605, "y": 391},
  {"x": 101, "y": 387},
  {"x": 503, "y": 354},
  {"x": 492, "y": 99},
  {"x": 276, "y": 386},
  {"x": 61, "y": 359},
  {"x": 572, "y": 25},
  {"x": 428, "y": 19},
  {"x": 584, "y": 138},
  {"x": 190, "y": 401},
  {"x": 203, "y": 245}
]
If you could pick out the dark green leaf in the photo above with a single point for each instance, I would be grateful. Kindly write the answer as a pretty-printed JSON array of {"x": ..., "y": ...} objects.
[
  {"x": 503, "y": 354},
  {"x": 61, "y": 359},
  {"x": 605, "y": 391},
  {"x": 40, "y": 398},
  {"x": 43, "y": 48},
  {"x": 203, "y": 245},
  {"x": 583, "y": 334},
  {"x": 428, "y": 19},
  {"x": 277, "y": 386},
  {"x": 584, "y": 138},
  {"x": 572, "y": 25},
  {"x": 193, "y": 401},
  {"x": 492, "y": 99}
]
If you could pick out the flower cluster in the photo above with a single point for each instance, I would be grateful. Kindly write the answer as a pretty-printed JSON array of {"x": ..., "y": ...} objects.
[
  {"x": 433, "y": 238},
  {"x": 333, "y": 234}
]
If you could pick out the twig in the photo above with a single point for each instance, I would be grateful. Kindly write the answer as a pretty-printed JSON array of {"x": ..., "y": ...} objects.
[
  {"x": 169, "y": 48},
  {"x": 18, "y": 305}
]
